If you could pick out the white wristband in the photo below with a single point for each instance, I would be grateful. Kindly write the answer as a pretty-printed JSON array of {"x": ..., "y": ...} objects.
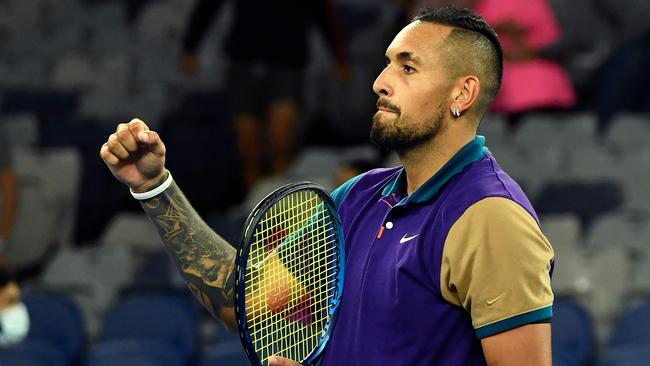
[{"x": 154, "y": 192}]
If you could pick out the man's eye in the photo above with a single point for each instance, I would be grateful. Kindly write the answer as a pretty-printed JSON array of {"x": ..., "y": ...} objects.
[{"x": 408, "y": 69}]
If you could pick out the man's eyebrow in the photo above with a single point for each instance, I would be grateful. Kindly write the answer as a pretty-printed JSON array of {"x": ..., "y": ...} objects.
[{"x": 408, "y": 56}]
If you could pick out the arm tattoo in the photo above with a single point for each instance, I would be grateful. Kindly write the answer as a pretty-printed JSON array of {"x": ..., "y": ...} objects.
[{"x": 205, "y": 259}]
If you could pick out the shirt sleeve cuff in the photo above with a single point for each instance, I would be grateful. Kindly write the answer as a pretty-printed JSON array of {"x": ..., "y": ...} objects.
[{"x": 514, "y": 322}]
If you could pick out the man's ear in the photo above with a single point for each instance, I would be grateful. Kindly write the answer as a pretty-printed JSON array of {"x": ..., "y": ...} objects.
[{"x": 465, "y": 95}]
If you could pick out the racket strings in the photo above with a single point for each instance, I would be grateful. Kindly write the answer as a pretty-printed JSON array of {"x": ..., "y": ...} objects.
[
  {"x": 270, "y": 220},
  {"x": 304, "y": 234},
  {"x": 328, "y": 260},
  {"x": 260, "y": 253}
]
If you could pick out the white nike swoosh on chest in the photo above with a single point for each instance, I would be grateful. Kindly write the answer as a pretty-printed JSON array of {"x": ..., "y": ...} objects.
[{"x": 407, "y": 238}]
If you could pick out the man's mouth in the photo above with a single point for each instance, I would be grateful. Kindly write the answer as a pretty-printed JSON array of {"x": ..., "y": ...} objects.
[
  {"x": 383, "y": 105},
  {"x": 382, "y": 109}
]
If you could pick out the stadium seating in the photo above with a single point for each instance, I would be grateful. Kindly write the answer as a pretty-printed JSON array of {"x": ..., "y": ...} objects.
[
  {"x": 574, "y": 338},
  {"x": 131, "y": 230},
  {"x": 630, "y": 341},
  {"x": 136, "y": 352},
  {"x": 609, "y": 273},
  {"x": 164, "y": 326},
  {"x": 56, "y": 336},
  {"x": 71, "y": 69},
  {"x": 628, "y": 132},
  {"x": 593, "y": 162},
  {"x": 225, "y": 349},
  {"x": 626, "y": 356},
  {"x": 33, "y": 353},
  {"x": 493, "y": 128},
  {"x": 571, "y": 274},
  {"x": 616, "y": 229},
  {"x": 586, "y": 199},
  {"x": 633, "y": 327}
]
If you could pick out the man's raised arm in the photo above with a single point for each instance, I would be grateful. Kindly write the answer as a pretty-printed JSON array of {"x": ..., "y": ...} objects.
[{"x": 136, "y": 157}]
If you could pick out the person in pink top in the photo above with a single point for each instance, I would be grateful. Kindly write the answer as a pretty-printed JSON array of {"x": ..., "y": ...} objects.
[{"x": 529, "y": 81}]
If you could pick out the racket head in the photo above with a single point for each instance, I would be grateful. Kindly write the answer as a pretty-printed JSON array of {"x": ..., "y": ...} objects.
[{"x": 308, "y": 322}]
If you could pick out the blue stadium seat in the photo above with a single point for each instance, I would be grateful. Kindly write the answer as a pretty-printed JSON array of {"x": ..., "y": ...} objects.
[
  {"x": 56, "y": 329},
  {"x": 122, "y": 359},
  {"x": 34, "y": 353},
  {"x": 630, "y": 342},
  {"x": 139, "y": 352},
  {"x": 573, "y": 333},
  {"x": 225, "y": 358},
  {"x": 633, "y": 328},
  {"x": 227, "y": 349},
  {"x": 146, "y": 323},
  {"x": 626, "y": 356},
  {"x": 587, "y": 199}
]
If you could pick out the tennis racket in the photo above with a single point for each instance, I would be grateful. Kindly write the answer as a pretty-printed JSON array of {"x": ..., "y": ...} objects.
[{"x": 289, "y": 277}]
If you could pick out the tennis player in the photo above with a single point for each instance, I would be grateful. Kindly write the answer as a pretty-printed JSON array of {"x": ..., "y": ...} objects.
[{"x": 446, "y": 262}]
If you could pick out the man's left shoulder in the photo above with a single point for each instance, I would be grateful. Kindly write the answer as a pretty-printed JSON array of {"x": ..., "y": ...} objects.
[{"x": 485, "y": 179}]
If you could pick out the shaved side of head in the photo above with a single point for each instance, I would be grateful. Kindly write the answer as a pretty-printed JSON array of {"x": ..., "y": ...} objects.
[{"x": 471, "y": 48}]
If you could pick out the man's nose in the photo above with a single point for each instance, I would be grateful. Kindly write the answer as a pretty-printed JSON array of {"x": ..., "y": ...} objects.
[{"x": 381, "y": 86}]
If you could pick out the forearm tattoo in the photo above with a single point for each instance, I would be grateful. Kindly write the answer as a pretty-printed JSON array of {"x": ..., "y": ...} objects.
[{"x": 205, "y": 259}]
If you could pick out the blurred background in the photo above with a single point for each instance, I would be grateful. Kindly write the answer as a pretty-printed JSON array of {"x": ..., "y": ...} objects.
[{"x": 250, "y": 95}]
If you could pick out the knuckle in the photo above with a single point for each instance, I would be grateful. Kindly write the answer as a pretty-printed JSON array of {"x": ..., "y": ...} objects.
[
  {"x": 136, "y": 121},
  {"x": 123, "y": 134}
]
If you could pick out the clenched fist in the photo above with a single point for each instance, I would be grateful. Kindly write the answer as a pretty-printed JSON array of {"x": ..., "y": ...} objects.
[{"x": 135, "y": 155}]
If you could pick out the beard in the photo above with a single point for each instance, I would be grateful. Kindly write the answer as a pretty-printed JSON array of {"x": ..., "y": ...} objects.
[{"x": 403, "y": 134}]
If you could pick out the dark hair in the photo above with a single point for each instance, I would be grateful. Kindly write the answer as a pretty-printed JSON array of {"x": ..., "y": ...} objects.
[{"x": 471, "y": 31}]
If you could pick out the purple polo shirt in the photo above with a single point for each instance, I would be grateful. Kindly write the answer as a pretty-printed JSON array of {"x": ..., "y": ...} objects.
[{"x": 392, "y": 309}]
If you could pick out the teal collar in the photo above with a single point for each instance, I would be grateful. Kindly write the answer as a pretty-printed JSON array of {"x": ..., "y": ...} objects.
[{"x": 470, "y": 153}]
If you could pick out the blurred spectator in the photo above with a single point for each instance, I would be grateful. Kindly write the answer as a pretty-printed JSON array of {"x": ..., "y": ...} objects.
[
  {"x": 268, "y": 48},
  {"x": 529, "y": 81},
  {"x": 14, "y": 319},
  {"x": 532, "y": 79},
  {"x": 621, "y": 82},
  {"x": 8, "y": 190}
]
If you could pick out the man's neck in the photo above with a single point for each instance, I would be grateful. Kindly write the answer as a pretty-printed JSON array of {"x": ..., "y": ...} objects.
[{"x": 423, "y": 162}]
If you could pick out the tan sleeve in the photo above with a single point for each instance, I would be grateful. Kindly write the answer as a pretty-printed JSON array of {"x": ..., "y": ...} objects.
[{"x": 496, "y": 264}]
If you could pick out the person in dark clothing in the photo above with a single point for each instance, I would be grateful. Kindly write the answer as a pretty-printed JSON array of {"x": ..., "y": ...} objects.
[
  {"x": 8, "y": 190},
  {"x": 268, "y": 48}
]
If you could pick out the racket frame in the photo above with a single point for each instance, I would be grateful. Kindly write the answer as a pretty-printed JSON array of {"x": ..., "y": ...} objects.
[{"x": 252, "y": 221}]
